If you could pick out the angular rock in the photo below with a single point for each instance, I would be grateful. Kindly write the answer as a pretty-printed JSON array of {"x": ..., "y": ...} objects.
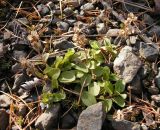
[
  {"x": 49, "y": 119},
  {"x": 43, "y": 9},
  {"x": 125, "y": 125},
  {"x": 127, "y": 64},
  {"x": 18, "y": 80},
  {"x": 136, "y": 85},
  {"x": 5, "y": 101},
  {"x": 22, "y": 110},
  {"x": 148, "y": 19},
  {"x": 91, "y": 118},
  {"x": 154, "y": 30},
  {"x": 4, "y": 87},
  {"x": 63, "y": 26},
  {"x": 62, "y": 44},
  {"x": 143, "y": 72},
  {"x": 113, "y": 32},
  {"x": 149, "y": 51},
  {"x": 68, "y": 122},
  {"x": 7, "y": 35},
  {"x": 101, "y": 28},
  {"x": 4, "y": 119},
  {"x": 153, "y": 90},
  {"x": 1, "y": 50},
  {"x": 19, "y": 54},
  {"x": 144, "y": 127},
  {"x": 16, "y": 68},
  {"x": 23, "y": 20},
  {"x": 157, "y": 79},
  {"x": 156, "y": 98},
  {"x": 68, "y": 11},
  {"x": 87, "y": 6}
]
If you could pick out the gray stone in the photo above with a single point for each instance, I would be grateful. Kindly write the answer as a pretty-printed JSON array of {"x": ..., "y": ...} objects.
[
  {"x": 113, "y": 32},
  {"x": 144, "y": 127},
  {"x": 149, "y": 51},
  {"x": 68, "y": 122},
  {"x": 17, "y": 68},
  {"x": 127, "y": 64},
  {"x": 18, "y": 80},
  {"x": 14, "y": 127},
  {"x": 125, "y": 125},
  {"x": 7, "y": 35},
  {"x": 1, "y": 50},
  {"x": 74, "y": 3},
  {"x": 19, "y": 54},
  {"x": 43, "y": 9},
  {"x": 143, "y": 72},
  {"x": 157, "y": 79},
  {"x": 4, "y": 119},
  {"x": 156, "y": 98},
  {"x": 5, "y": 101},
  {"x": 153, "y": 90},
  {"x": 49, "y": 119},
  {"x": 87, "y": 6},
  {"x": 136, "y": 85},
  {"x": 101, "y": 28},
  {"x": 68, "y": 11},
  {"x": 154, "y": 30},
  {"x": 148, "y": 19},
  {"x": 23, "y": 20},
  {"x": 62, "y": 44},
  {"x": 4, "y": 87},
  {"x": 63, "y": 26},
  {"x": 22, "y": 110},
  {"x": 91, "y": 118}
]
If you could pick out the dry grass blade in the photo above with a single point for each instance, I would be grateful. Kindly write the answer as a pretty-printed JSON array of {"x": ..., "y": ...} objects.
[{"x": 135, "y": 5}]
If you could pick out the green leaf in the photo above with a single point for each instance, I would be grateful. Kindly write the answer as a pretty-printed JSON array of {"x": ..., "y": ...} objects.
[
  {"x": 86, "y": 80},
  {"x": 48, "y": 71},
  {"x": 107, "y": 104},
  {"x": 67, "y": 76},
  {"x": 55, "y": 73},
  {"x": 106, "y": 73},
  {"x": 58, "y": 62},
  {"x": 38, "y": 74},
  {"x": 97, "y": 55},
  {"x": 45, "y": 57},
  {"x": 79, "y": 74},
  {"x": 91, "y": 64},
  {"x": 52, "y": 72},
  {"x": 56, "y": 97},
  {"x": 49, "y": 98},
  {"x": 67, "y": 67},
  {"x": 119, "y": 86},
  {"x": 124, "y": 96},
  {"x": 98, "y": 71},
  {"x": 94, "y": 44},
  {"x": 68, "y": 55},
  {"x": 109, "y": 87},
  {"x": 119, "y": 101},
  {"x": 107, "y": 42},
  {"x": 54, "y": 83},
  {"x": 82, "y": 67},
  {"x": 94, "y": 88},
  {"x": 88, "y": 99},
  {"x": 113, "y": 77}
]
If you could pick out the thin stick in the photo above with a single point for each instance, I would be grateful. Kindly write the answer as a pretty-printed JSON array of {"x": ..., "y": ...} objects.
[
  {"x": 135, "y": 5},
  {"x": 18, "y": 9},
  {"x": 80, "y": 94}
]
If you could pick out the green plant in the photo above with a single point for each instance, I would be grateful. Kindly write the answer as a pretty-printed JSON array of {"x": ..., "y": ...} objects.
[{"x": 85, "y": 72}]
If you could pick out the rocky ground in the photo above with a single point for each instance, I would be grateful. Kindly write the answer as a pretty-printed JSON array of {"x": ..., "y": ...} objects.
[{"x": 34, "y": 34}]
